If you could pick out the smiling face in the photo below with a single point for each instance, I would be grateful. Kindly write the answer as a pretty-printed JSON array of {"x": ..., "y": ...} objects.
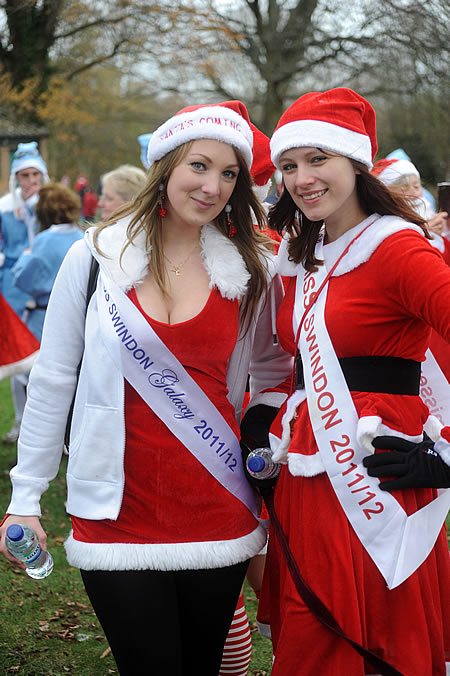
[
  {"x": 200, "y": 186},
  {"x": 29, "y": 180},
  {"x": 323, "y": 187}
]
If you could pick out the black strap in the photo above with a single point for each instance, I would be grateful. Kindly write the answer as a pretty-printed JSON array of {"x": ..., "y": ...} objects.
[
  {"x": 389, "y": 375},
  {"x": 92, "y": 283},
  {"x": 319, "y": 610}
]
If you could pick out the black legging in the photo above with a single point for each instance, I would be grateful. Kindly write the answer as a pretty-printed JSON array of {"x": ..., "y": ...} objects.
[{"x": 166, "y": 623}]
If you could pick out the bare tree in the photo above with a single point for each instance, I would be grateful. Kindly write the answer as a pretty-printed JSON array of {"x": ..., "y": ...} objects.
[{"x": 292, "y": 46}]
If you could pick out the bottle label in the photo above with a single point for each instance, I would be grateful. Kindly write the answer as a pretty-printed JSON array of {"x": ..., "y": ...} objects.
[{"x": 32, "y": 556}]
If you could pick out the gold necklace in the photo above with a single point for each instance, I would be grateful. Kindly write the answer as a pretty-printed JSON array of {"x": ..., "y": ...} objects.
[{"x": 176, "y": 268}]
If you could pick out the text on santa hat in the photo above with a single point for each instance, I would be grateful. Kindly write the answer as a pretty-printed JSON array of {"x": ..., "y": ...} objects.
[{"x": 206, "y": 121}]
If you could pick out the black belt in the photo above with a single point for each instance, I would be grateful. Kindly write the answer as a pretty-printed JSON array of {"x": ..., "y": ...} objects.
[{"x": 389, "y": 375}]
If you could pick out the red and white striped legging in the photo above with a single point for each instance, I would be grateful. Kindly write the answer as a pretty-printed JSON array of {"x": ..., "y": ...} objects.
[{"x": 237, "y": 650}]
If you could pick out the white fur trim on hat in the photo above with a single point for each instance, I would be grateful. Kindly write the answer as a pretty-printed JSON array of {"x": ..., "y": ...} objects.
[
  {"x": 324, "y": 135},
  {"x": 207, "y": 122}
]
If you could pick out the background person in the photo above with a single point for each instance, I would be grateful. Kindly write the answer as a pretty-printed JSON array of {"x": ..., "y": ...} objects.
[
  {"x": 403, "y": 177},
  {"x": 163, "y": 546},
  {"x": 34, "y": 273},
  {"x": 118, "y": 187},
  {"x": 356, "y": 256},
  {"x": 18, "y": 226}
]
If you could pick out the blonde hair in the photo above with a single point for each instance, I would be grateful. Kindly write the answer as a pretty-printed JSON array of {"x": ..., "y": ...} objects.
[
  {"x": 126, "y": 181},
  {"x": 250, "y": 242}
]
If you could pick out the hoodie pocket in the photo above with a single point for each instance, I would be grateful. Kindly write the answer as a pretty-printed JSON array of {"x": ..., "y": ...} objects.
[{"x": 97, "y": 449}]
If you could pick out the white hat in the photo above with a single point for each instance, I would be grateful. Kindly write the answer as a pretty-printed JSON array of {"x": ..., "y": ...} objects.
[
  {"x": 27, "y": 156},
  {"x": 389, "y": 171},
  {"x": 227, "y": 122}
]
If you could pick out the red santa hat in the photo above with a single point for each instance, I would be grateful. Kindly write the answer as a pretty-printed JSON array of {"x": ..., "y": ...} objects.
[
  {"x": 338, "y": 120},
  {"x": 262, "y": 167},
  {"x": 389, "y": 171},
  {"x": 227, "y": 122}
]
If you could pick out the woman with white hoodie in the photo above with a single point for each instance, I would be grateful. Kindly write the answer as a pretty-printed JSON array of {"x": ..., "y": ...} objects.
[{"x": 164, "y": 521}]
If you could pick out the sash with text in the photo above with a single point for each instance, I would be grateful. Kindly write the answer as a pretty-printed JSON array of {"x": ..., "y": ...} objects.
[
  {"x": 398, "y": 544},
  {"x": 165, "y": 386}
]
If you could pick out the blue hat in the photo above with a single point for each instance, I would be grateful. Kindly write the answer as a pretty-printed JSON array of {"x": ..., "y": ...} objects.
[
  {"x": 28, "y": 156},
  {"x": 143, "y": 142}
]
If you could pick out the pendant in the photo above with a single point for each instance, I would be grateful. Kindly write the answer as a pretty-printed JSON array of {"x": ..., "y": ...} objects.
[{"x": 176, "y": 271}]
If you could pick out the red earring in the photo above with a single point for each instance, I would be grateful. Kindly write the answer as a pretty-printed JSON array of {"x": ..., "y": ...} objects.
[
  {"x": 162, "y": 211},
  {"x": 231, "y": 229}
]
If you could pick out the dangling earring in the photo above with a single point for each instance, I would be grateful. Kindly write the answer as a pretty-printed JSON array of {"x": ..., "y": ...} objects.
[
  {"x": 298, "y": 218},
  {"x": 162, "y": 212},
  {"x": 231, "y": 229}
]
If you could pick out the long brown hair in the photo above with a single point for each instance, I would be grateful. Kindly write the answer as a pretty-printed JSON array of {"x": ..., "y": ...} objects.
[
  {"x": 247, "y": 212},
  {"x": 374, "y": 197}
]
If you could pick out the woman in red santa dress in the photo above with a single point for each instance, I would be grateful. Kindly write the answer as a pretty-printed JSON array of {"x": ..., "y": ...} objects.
[
  {"x": 164, "y": 521},
  {"x": 365, "y": 287}
]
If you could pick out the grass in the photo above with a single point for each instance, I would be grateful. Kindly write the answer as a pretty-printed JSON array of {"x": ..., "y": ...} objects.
[{"x": 48, "y": 626}]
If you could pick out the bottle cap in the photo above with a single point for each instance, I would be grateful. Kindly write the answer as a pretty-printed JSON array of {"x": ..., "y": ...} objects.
[
  {"x": 256, "y": 463},
  {"x": 14, "y": 532}
]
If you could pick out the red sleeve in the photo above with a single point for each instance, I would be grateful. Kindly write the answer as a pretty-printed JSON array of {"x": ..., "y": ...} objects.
[{"x": 416, "y": 277}]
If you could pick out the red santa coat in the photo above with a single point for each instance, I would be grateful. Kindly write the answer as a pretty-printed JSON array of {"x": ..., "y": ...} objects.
[{"x": 381, "y": 301}]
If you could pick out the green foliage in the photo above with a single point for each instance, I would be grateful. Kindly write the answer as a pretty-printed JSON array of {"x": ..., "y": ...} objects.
[{"x": 48, "y": 626}]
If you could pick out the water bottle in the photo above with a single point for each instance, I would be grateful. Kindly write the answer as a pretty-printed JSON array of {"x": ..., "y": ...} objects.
[
  {"x": 260, "y": 464},
  {"x": 22, "y": 542}
]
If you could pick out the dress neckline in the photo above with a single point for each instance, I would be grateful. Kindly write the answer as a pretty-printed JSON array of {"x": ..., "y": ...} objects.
[{"x": 152, "y": 320}]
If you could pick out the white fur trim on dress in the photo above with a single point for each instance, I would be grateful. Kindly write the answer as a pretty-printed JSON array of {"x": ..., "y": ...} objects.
[
  {"x": 442, "y": 447},
  {"x": 368, "y": 243},
  {"x": 360, "y": 251},
  {"x": 223, "y": 262},
  {"x": 305, "y": 465},
  {"x": 176, "y": 556},
  {"x": 433, "y": 427},
  {"x": 285, "y": 267},
  {"x": 371, "y": 426},
  {"x": 368, "y": 428},
  {"x": 280, "y": 446}
]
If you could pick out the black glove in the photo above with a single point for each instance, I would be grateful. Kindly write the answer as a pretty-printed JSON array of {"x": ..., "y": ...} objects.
[
  {"x": 255, "y": 426},
  {"x": 414, "y": 464}
]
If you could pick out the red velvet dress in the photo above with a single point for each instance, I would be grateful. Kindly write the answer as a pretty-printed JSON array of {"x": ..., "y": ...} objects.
[
  {"x": 382, "y": 307},
  {"x": 169, "y": 497}
]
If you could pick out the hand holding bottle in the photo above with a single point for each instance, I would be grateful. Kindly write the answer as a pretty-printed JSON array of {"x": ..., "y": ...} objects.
[{"x": 31, "y": 521}]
